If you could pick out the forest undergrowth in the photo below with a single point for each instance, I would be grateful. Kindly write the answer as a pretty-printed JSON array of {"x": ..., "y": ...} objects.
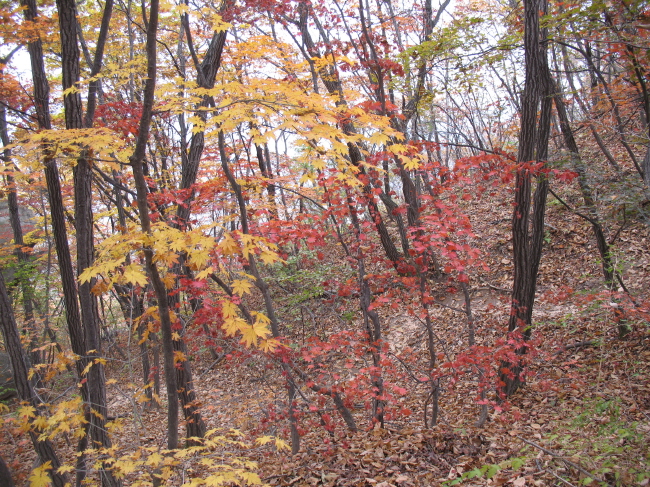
[{"x": 582, "y": 418}]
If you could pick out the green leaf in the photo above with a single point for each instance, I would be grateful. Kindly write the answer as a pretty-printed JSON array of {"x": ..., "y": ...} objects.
[
  {"x": 517, "y": 463},
  {"x": 473, "y": 473},
  {"x": 491, "y": 471}
]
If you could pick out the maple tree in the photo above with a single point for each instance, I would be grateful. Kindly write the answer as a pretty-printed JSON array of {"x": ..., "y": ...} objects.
[{"x": 272, "y": 183}]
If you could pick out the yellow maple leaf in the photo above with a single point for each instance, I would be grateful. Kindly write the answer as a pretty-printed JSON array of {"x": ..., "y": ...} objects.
[
  {"x": 87, "y": 275},
  {"x": 204, "y": 273},
  {"x": 154, "y": 459},
  {"x": 198, "y": 258},
  {"x": 248, "y": 244},
  {"x": 87, "y": 368},
  {"x": 228, "y": 245},
  {"x": 280, "y": 444},
  {"x": 378, "y": 138},
  {"x": 232, "y": 325},
  {"x": 263, "y": 440},
  {"x": 268, "y": 346},
  {"x": 398, "y": 148},
  {"x": 62, "y": 427},
  {"x": 250, "y": 478},
  {"x": 71, "y": 90},
  {"x": 169, "y": 280},
  {"x": 40, "y": 422},
  {"x": 410, "y": 164},
  {"x": 40, "y": 477},
  {"x": 261, "y": 329},
  {"x": 269, "y": 257},
  {"x": 66, "y": 469},
  {"x": 306, "y": 178},
  {"x": 169, "y": 258},
  {"x": 215, "y": 480},
  {"x": 228, "y": 309},
  {"x": 177, "y": 245},
  {"x": 96, "y": 413},
  {"x": 318, "y": 163},
  {"x": 179, "y": 357},
  {"x": 250, "y": 334},
  {"x": 125, "y": 467},
  {"x": 133, "y": 274},
  {"x": 241, "y": 287},
  {"x": 261, "y": 318},
  {"x": 27, "y": 411}
]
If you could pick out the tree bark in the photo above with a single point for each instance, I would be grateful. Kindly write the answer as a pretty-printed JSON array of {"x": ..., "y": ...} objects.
[
  {"x": 206, "y": 75},
  {"x": 82, "y": 172},
  {"x": 527, "y": 229},
  {"x": 57, "y": 210},
  {"x": 5, "y": 475},
  {"x": 23, "y": 258},
  {"x": 585, "y": 188},
  {"x": 44, "y": 448},
  {"x": 137, "y": 164}
]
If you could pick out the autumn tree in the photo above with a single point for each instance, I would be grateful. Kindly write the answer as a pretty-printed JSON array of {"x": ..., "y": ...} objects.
[{"x": 213, "y": 170}]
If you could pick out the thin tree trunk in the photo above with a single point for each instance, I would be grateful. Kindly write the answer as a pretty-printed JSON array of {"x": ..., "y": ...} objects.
[
  {"x": 96, "y": 382},
  {"x": 68, "y": 282},
  {"x": 44, "y": 448},
  {"x": 252, "y": 269},
  {"x": 330, "y": 79},
  {"x": 372, "y": 325},
  {"x": 206, "y": 75},
  {"x": 137, "y": 163},
  {"x": 133, "y": 306},
  {"x": 585, "y": 188},
  {"x": 527, "y": 229},
  {"x": 23, "y": 258},
  {"x": 195, "y": 427}
]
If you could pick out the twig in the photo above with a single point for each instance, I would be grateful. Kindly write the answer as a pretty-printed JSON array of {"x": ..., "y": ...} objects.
[
  {"x": 567, "y": 462},
  {"x": 559, "y": 478},
  {"x": 543, "y": 470},
  {"x": 211, "y": 366},
  {"x": 440, "y": 303},
  {"x": 618, "y": 232},
  {"x": 627, "y": 291},
  {"x": 419, "y": 381},
  {"x": 575, "y": 212},
  {"x": 500, "y": 289}
]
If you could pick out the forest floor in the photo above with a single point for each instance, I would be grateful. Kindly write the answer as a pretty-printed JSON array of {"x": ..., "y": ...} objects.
[{"x": 583, "y": 416}]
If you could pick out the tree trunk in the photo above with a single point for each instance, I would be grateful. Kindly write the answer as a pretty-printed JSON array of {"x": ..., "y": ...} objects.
[
  {"x": 68, "y": 281},
  {"x": 585, "y": 188},
  {"x": 132, "y": 305},
  {"x": 527, "y": 229},
  {"x": 206, "y": 75},
  {"x": 5, "y": 475},
  {"x": 44, "y": 448},
  {"x": 24, "y": 273},
  {"x": 137, "y": 163},
  {"x": 372, "y": 325},
  {"x": 194, "y": 425},
  {"x": 96, "y": 382}
]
